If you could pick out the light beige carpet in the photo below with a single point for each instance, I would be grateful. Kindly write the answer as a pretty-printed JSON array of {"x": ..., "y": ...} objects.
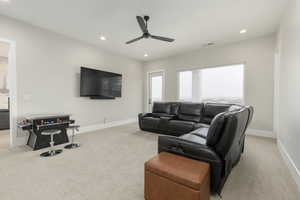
[
  {"x": 109, "y": 166},
  {"x": 4, "y": 140}
]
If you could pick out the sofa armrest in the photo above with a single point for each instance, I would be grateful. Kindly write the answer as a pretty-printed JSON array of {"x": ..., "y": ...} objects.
[
  {"x": 141, "y": 116},
  {"x": 182, "y": 146},
  {"x": 168, "y": 117},
  {"x": 195, "y": 151}
]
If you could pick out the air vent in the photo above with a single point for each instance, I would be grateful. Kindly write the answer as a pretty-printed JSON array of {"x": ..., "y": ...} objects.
[{"x": 210, "y": 44}]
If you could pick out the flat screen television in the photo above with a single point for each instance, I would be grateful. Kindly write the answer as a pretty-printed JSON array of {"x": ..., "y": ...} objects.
[{"x": 98, "y": 84}]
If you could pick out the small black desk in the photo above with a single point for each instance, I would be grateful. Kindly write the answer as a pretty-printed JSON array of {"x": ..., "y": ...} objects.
[{"x": 36, "y": 124}]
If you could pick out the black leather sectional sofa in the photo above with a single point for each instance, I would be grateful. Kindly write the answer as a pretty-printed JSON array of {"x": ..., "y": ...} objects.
[{"x": 210, "y": 132}]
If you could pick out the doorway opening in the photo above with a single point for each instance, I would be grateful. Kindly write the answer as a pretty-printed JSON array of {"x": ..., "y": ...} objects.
[
  {"x": 4, "y": 97},
  {"x": 8, "y": 84},
  {"x": 156, "y": 88}
]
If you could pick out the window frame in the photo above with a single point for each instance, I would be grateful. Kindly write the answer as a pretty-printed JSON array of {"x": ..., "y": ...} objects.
[
  {"x": 178, "y": 86},
  {"x": 208, "y": 67}
]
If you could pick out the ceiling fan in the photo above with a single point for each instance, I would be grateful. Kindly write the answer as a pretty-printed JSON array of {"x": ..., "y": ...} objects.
[{"x": 143, "y": 23}]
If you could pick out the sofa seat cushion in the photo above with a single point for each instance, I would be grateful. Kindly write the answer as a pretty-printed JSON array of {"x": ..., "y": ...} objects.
[
  {"x": 194, "y": 138},
  {"x": 181, "y": 126},
  {"x": 201, "y": 125},
  {"x": 163, "y": 123},
  {"x": 201, "y": 132},
  {"x": 158, "y": 115},
  {"x": 150, "y": 122}
]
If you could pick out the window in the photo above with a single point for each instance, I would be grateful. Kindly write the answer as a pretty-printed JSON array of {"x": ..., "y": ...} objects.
[
  {"x": 224, "y": 83},
  {"x": 156, "y": 88},
  {"x": 185, "y": 85}
]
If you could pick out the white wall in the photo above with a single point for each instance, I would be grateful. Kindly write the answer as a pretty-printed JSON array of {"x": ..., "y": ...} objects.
[
  {"x": 289, "y": 90},
  {"x": 48, "y": 66},
  {"x": 258, "y": 56}
]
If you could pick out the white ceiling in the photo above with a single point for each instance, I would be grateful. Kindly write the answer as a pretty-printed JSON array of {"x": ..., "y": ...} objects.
[{"x": 192, "y": 22}]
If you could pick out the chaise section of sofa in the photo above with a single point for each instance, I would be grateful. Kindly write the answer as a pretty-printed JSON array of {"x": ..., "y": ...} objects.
[{"x": 209, "y": 132}]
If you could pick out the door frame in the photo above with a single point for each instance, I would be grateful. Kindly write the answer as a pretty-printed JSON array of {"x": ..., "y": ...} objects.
[
  {"x": 12, "y": 80},
  {"x": 148, "y": 86}
]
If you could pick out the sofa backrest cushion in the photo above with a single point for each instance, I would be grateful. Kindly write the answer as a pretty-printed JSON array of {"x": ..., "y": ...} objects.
[
  {"x": 174, "y": 108},
  {"x": 211, "y": 110},
  {"x": 215, "y": 129},
  {"x": 232, "y": 134},
  {"x": 190, "y": 111},
  {"x": 161, "y": 107}
]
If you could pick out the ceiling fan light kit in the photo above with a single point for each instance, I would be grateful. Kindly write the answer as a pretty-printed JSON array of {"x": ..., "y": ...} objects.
[{"x": 143, "y": 23}]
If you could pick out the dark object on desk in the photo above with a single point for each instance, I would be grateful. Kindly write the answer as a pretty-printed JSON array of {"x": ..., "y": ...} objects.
[
  {"x": 37, "y": 124},
  {"x": 4, "y": 119}
]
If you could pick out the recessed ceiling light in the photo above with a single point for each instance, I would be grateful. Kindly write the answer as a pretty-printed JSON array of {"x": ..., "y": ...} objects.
[
  {"x": 243, "y": 31},
  {"x": 102, "y": 37},
  {"x": 145, "y": 55},
  {"x": 4, "y": 1}
]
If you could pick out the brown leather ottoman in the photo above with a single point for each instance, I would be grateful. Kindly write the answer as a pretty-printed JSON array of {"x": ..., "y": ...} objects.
[{"x": 172, "y": 177}]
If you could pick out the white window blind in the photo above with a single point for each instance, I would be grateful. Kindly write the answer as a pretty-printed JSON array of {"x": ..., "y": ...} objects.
[
  {"x": 185, "y": 86},
  {"x": 156, "y": 88},
  {"x": 218, "y": 84}
]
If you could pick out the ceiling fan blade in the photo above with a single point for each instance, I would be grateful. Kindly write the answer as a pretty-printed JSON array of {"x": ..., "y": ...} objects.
[
  {"x": 162, "y": 38},
  {"x": 134, "y": 40},
  {"x": 142, "y": 24}
]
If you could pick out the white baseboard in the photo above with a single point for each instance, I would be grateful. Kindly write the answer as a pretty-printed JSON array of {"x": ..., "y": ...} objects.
[
  {"x": 19, "y": 141},
  {"x": 95, "y": 127},
  {"x": 290, "y": 163},
  {"x": 261, "y": 133}
]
